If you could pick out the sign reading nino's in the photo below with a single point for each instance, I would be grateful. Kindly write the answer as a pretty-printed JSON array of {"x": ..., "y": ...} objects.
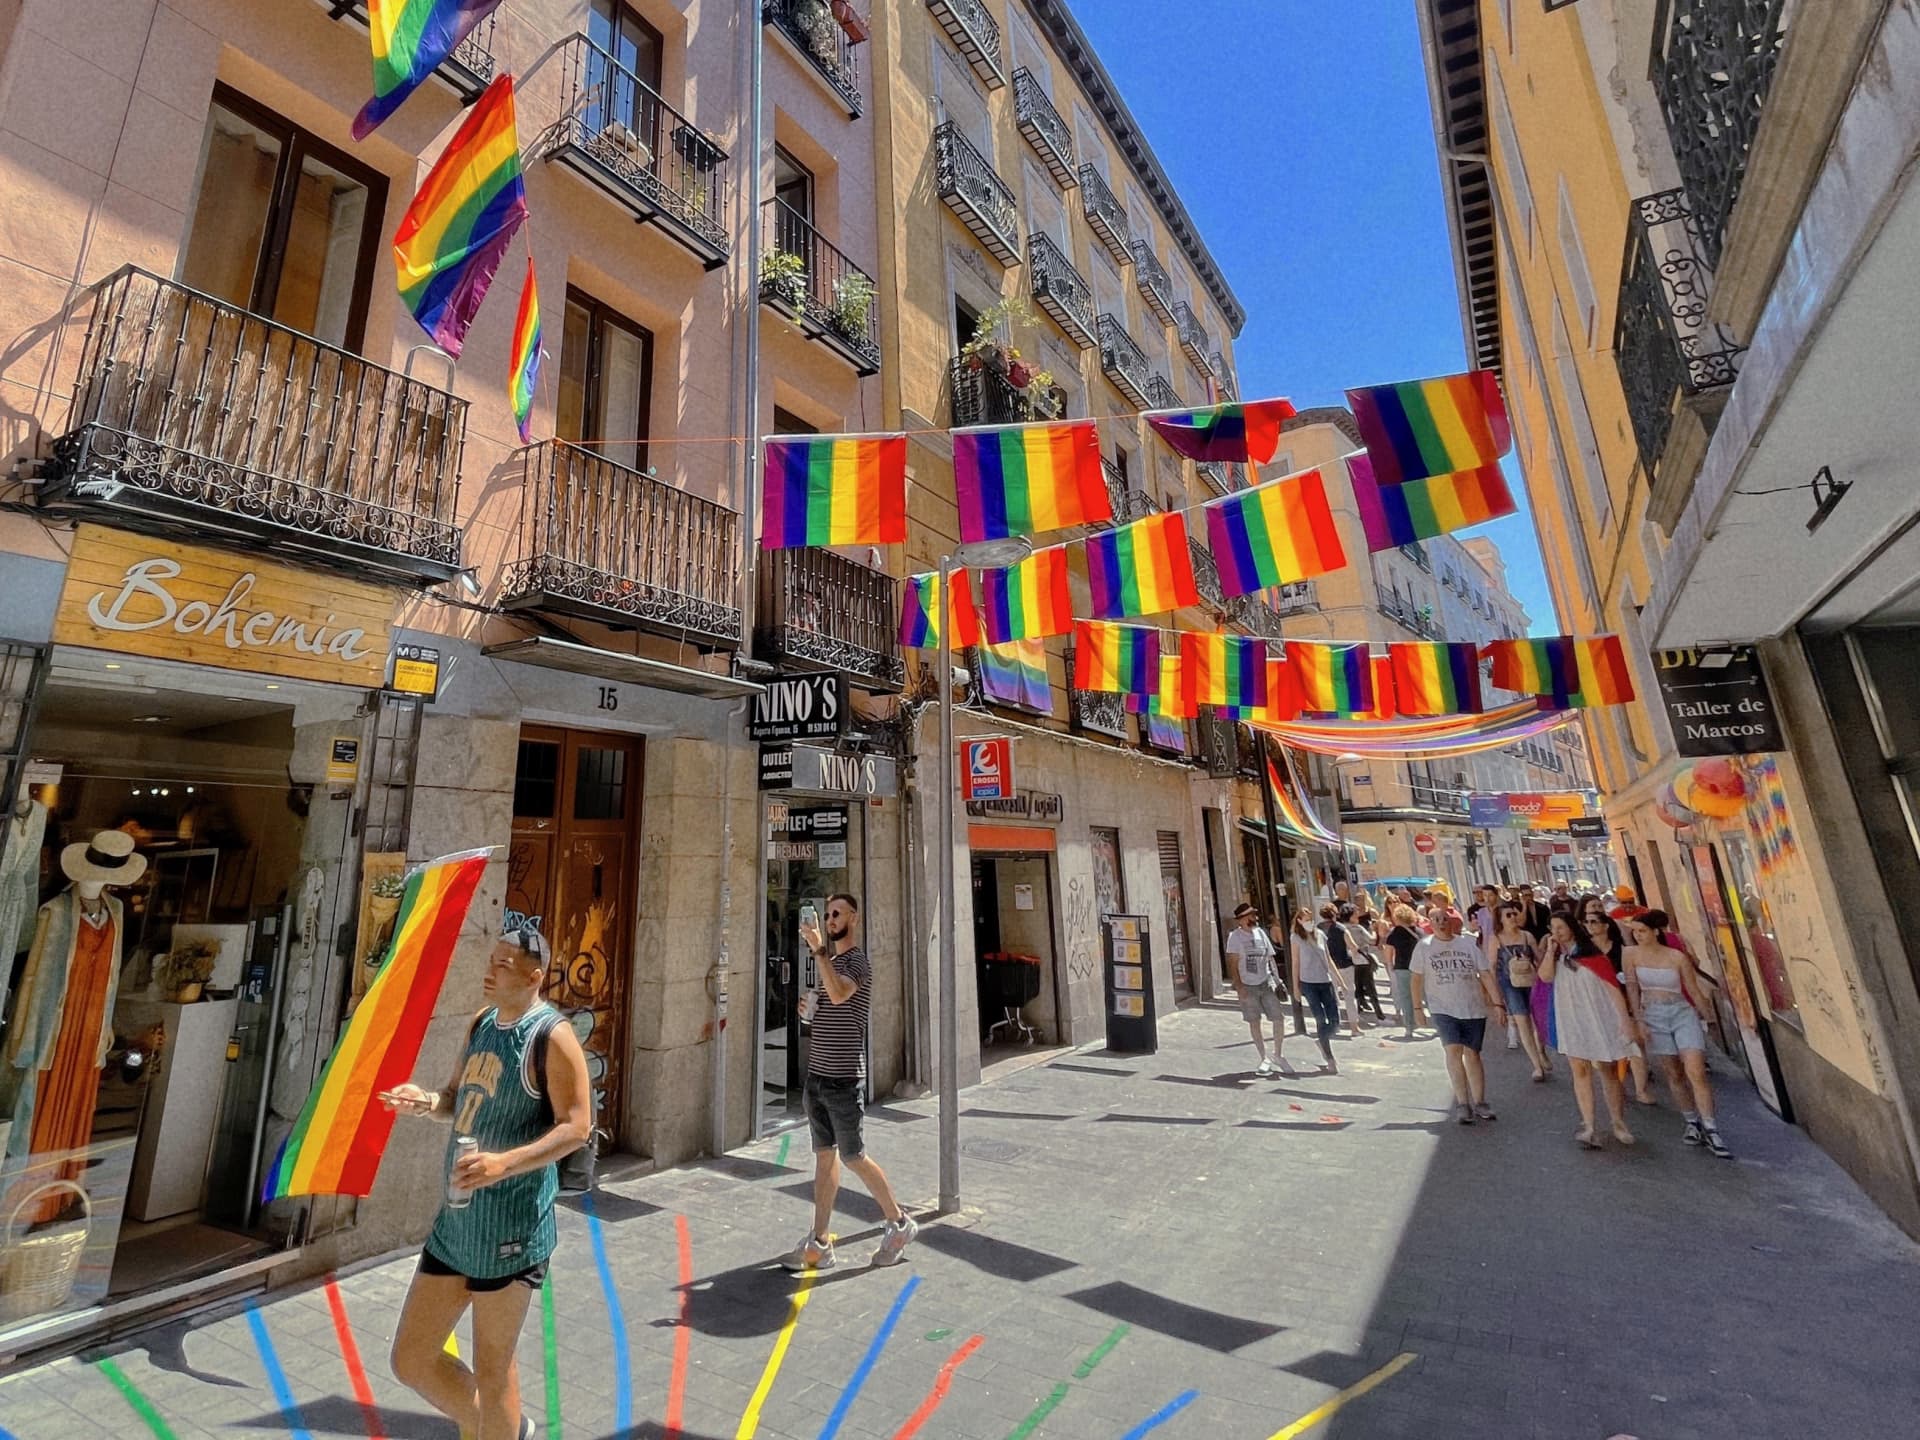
[{"x": 167, "y": 601}]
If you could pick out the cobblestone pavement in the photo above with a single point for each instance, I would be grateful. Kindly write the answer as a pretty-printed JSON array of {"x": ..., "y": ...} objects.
[{"x": 1152, "y": 1244}]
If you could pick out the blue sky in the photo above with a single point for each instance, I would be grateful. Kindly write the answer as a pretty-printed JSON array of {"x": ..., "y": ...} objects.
[{"x": 1299, "y": 135}]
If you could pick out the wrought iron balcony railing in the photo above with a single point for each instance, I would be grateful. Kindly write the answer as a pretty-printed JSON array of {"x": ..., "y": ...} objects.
[
  {"x": 974, "y": 31},
  {"x": 810, "y": 26},
  {"x": 832, "y": 298},
  {"x": 617, "y": 133},
  {"x": 1046, "y": 130},
  {"x": 983, "y": 395},
  {"x": 1254, "y": 615},
  {"x": 1216, "y": 476},
  {"x": 197, "y": 413},
  {"x": 1101, "y": 712},
  {"x": 820, "y": 608},
  {"x": 1428, "y": 796},
  {"x": 1223, "y": 378},
  {"x": 1116, "y": 487},
  {"x": 1156, "y": 287},
  {"x": 1160, "y": 393},
  {"x": 624, "y": 548},
  {"x": 1297, "y": 597},
  {"x": 1712, "y": 65},
  {"x": 1668, "y": 351},
  {"x": 469, "y": 69},
  {"x": 1419, "y": 621},
  {"x": 1124, "y": 362},
  {"x": 1206, "y": 573},
  {"x": 1193, "y": 337},
  {"x": 1135, "y": 505},
  {"x": 976, "y": 193},
  {"x": 1105, "y": 214},
  {"x": 1417, "y": 553},
  {"x": 1059, "y": 289}
]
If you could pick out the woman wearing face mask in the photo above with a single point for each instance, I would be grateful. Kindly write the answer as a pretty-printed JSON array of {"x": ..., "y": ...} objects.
[
  {"x": 1592, "y": 1025},
  {"x": 1314, "y": 972},
  {"x": 1671, "y": 1001}
]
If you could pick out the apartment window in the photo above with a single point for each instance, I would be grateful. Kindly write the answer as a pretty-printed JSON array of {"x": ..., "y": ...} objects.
[
  {"x": 1089, "y": 140},
  {"x": 785, "y": 422},
  {"x": 1046, "y": 215},
  {"x": 606, "y": 381},
  {"x": 792, "y": 184},
  {"x": 961, "y": 103},
  {"x": 1109, "y": 295},
  {"x": 1586, "y": 444},
  {"x": 1574, "y": 255},
  {"x": 282, "y": 223},
  {"x": 1029, "y": 50},
  {"x": 635, "y": 45},
  {"x": 1511, "y": 161}
]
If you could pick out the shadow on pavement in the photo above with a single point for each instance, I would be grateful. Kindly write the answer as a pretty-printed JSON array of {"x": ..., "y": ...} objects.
[
  {"x": 1089, "y": 1069},
  {"x": 1118, "y": 1118},
  {"x": 1148, "y": 1311},
  {"x": 341, "y": 1415},
  {"x": 992, "y": 1256},
  {"x": 166, "y": 1348}
]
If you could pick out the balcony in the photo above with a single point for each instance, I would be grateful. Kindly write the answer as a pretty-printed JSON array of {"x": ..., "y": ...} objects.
[
  {"x": 467, "y": 71},
  {"x": 809, "y": 281},
  {"x": 1206, "y": 573},
  {"x": 976, "y": 34},
  {"x": 1254, "y": 615},
  {"x": 1428, "y": 796},
  {"x": 1099, "y": 712},
  {"x": 975, "y": 193},
  {"x": 1105, "y": 214},
  {"x": 819, "y": 608},
  {"x": 1712, "y": 66},
  {"x": 1045, "y": 129},
  {"x": 1217, "y": 476},
  {"x": 811, "y": 32},
  {"x": 622, "y": 548},
  {"x": 1223, "y": 378},
  {"x": 1160, "y": 393},
  {"x": 1123, "y": 362},
  {"x": 1297, "y": 597},
  {"x": 1676, "y": 365},
  {"x": 1059, "y": 289},
  {"x": 197, "y": 417},
  {"x": 983, "y": 395},
  {"x": 1419, "y": 621},
  {"x": 645, "y": 155},
  {"x": 1193, "y": 337},
  {"x": 1156, "y": 287},
  {"x": 1417, "y": 553},
  {"x": 1135, "y": 505},
  {"x": 1116, "y": 486}
]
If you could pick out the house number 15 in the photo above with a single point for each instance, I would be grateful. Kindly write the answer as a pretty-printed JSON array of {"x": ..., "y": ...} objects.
[{"x": 609, "y": 698}]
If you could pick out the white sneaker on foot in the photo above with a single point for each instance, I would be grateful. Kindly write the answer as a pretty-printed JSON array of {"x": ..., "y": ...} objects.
[
  {"x": 812, "y": 1253},
  {"x": 895, "y": 1239},
  {"x": 1265, "y": 1067}
]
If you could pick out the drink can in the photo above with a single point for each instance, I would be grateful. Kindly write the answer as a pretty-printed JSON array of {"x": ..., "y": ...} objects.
[{"x": 458, "y": 1196}]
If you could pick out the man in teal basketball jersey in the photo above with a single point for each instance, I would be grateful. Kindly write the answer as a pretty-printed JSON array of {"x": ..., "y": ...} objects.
[{"x": 489, "y": 1246}]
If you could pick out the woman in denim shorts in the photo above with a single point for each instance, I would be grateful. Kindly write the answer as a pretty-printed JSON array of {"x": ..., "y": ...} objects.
[{"x": 1670, "y": 1000}]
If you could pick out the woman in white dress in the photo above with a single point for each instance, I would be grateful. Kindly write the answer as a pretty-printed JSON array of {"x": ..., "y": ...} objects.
[{"x": 1591, "y": 1025}]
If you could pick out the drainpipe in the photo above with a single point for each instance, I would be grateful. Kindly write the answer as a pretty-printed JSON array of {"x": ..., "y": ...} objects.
[
  {"x": 750, "y": 479},
  {"x": 717, "y": 976}
]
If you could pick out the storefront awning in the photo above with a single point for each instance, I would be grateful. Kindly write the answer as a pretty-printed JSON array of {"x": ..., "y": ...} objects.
[{"x": 580, "y": 659}]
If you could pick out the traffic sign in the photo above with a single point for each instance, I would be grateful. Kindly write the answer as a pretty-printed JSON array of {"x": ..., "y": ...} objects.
[
  {"x": 1425, "y": 844},
  {"x": 986, "y": 769}
]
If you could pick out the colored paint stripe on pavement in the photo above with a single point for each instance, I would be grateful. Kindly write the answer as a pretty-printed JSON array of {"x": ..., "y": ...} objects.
[
  {"x": 750, "y": 1420},
  {"x": 785, "y": 1142},
  {"x": 277, "y": 1377},
  {"x": 6, "y": 1434},
  {"x": 550, "y": 1356},
  {"x": 1059, "y": 1392},
  {"x": 616, "y": 1322},
  {"x": 941, "y": 1385},
  {"x": 868, "y": 1361},
  {"x": 1161, "y": 1416},
  {"x": 683, "y": 1332},
  {"x": 1100, "y": 1352},
  {"x": 142, "y": 1406},
  {"x": 350, "y": 1356},
  {"x": 1353, "y": 1392}
]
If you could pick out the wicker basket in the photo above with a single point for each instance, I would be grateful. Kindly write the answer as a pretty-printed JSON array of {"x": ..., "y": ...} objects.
[{"x": 37, "y": 1271}]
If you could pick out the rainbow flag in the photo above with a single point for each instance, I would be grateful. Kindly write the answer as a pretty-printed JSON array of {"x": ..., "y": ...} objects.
[
  {"x": 920, "y": 610},
  {"x": 1028, "y": 601},
  {"x": 1436, "y": 679},
  {"x": 833, "y": 490},
  {"x": 1224, "y": 670},
  {"x": 1293, "y": 805},
  {"x": 335, "y": 1146},
  {"x": 1601, "y": 665},
  {"x": 1383, "y": 707},
  {"x": 1274, "y": 534},
  {"x": 1332, "y": 679},
  {"x": 1019, "y": 479},
  {"x": 1169, "y": 697},
  {"x": 1564, "y": 671},
  {"x": 1247, "y": 430},
  {"x": 411, "y": 40},
  {"x": 1167, "y": 732},
  {"x": 1016, "y": 674},
  {"x": 456, "y": 232},
  {"x": 1425, "y": 509},
  {"x": 1122, "y": 658},
  {"x": 1419, "y": 428},
  {"x": 523, "y": 375},
  {"x": 1141, "y": 569}
]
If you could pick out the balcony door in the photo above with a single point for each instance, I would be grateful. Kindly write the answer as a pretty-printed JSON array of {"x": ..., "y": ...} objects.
[
  {"x": 629, "y": 58},
  {"x": 606, "y": 381}
]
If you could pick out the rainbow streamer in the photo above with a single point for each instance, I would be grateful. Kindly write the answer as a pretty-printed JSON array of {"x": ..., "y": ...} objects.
[
  {"x": 1436, "y": 739},
  {"x": 920, "y": 611},
  {"x": 1425, "y": 509},
  {"x": 1021, "y": 479},
  {"x": 456, "y": 232},
  {"x": 1418, "y": 428},
  {"x": 523, "y": 374},
  {"x": 1016, "y": 674},
  {"x": 335, "y": 1146},
  {"x": 411, "y": 40},
  {"x": 1292, "y": 805},
  {"x": 1332, "y": 679},
  {"x": 1028, "y": 601},
  {"x": 1246, "y": 431},
  {"x": 1141, "y": 569},
  {"x": 1116, "y": 658},
  {"x": 1226, "y": 670},
  {"x": 833, "y": 490},
  {"x": 1436, "y": 679},
  {"x": 1274, "y": 534}
]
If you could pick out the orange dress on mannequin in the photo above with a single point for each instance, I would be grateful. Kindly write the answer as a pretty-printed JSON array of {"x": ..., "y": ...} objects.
[{"x": 70, "y": 1084}]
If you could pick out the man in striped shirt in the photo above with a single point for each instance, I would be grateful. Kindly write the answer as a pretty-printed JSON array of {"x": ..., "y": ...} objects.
[{"x": 836, "y": 1066}]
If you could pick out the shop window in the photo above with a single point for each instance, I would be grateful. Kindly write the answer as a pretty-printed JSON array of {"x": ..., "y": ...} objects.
[{"x": 606, "y": 381}]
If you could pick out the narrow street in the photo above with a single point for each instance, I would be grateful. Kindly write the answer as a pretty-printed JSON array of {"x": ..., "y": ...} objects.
[{"x": 1152, "y": 1244}]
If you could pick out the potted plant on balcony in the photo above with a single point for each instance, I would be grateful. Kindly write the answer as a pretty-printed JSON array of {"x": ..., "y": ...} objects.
[
  {"x": 783, "y": 279},
  {"x": 985, "y": 349},
  {"x": 852, "y": 304},
  {"x": 1045, "y": 398}
]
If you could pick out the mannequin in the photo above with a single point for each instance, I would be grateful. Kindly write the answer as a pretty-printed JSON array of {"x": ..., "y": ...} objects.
[{"x": 63, "y": 1025}]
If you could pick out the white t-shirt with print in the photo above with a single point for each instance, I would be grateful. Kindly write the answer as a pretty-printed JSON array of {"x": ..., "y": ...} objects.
[
  {"x": 1452, "y": 971},
  {"x": 1253, "y": 951}
]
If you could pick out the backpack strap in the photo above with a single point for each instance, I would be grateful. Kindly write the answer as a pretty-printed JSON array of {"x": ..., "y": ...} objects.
[{"x": 540, "y": 1038}]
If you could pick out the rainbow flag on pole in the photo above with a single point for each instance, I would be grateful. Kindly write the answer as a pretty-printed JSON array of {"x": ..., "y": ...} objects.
[
  {"x": 1016, "y": 674},
  {"x": 1419, "y": 428},
  {"x": 1021, "y": 479},
  {"x": 523, "y": 374},
  {"x": 1226, "y": 670},
  {"x": 456, "y": 232},
  {"x": 1436, "y": 679},
  {"x": 335, "y": 1146},
  {"x": 1120, "y": 658},
  {"x": 1141, "y": 569},
  {"x": 1247, "y": 430},
  {"x": 1564, "y": 670},
  {"x": 833, "y": 490},
  {"x": 1425, "y": 509},
  {"x": 920, "y": 610},
  {"x": 1332, "y": 679},
  {"x": 1028, "y": 601},
  {"x": 1274, "y": 534},
  {"x": 411, "y": 40}
]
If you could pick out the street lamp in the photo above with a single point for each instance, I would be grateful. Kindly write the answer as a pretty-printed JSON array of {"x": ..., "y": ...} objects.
[{"x": 981, "y": 555}]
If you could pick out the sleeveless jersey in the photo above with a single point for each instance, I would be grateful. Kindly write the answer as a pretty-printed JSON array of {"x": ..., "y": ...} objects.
[{"x": 508, "y": 1226}]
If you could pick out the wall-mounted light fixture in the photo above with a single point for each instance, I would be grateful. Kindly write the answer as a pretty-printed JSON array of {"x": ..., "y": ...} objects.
[{"x": 1827, "y": 494}]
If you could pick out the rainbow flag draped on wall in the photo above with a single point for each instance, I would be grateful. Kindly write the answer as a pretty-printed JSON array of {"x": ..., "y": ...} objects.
[
  {"x": 1563, "y": 670},
  {"x": 456, "y": 232},
  {"x": 1274, "y": 534},
  {"x": 1021, "y": 479},
  {"x": 1332, "y": 679},
  {"x": 1436, "y": 679},
  {"x": 1245, "y": 431},
  {"x": 920, "y": 610},
  {"x": 1292, "y": 804},
  {"x": 833, "y": 490},
  {"x": 1141, "y": 569},
  {"x": 1228, "y": 670},
  {"x": 335, "y": 1146},
  {"x": 1426, "y": 509},
  {"x": 1418, "y": 428},
  {"x": 1028, "y": 601},
  {"x": 1122, "y": 658},
  {"x": 523, "y": 371},
  {"x": 411, "y": 40},
  {"x": 1016, "y": 674}
]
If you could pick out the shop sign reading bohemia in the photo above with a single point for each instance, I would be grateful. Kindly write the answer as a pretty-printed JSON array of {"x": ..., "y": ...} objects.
[{"x": 141, "y": 596}]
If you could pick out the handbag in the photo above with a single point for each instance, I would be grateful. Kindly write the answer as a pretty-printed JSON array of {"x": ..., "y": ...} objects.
[{"x": 1520, "y": 972}]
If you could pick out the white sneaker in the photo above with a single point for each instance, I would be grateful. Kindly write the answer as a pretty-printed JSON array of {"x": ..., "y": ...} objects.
[
  {"x": 1513, "y": 1038},
  {"x": 1265, "y": 1067},
  {"x": 812, "y": 1253},
  {"x": 895, "y": 1239}
]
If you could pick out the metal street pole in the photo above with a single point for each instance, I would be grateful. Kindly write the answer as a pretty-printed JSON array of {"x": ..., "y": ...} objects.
[{"x": 949, "y": 980}]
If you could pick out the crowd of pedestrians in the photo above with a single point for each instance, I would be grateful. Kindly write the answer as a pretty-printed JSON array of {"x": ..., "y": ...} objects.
[{"x": 1596, "y": 980}]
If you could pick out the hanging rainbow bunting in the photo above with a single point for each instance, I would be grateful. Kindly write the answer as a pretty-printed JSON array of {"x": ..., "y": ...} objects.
[
  {"x": 1332, "y": 679},
  {"x": 411, "y": 40},
  {"x": 1436, "y": 739},
  {"x": 1118, "y": 658},
  {"x": 456, "y": 232},
  {"x": 1393, "y": 515},
  {"x": 1274, "y": 534},
  {"x": 1564, "y": 670},
  {"x": 1419, "y": 428},
  {"x": 1436, "y": 679},
  {"x": 1224, "y": 670},
  {"x": 1245, "y": 431},
  {"x": 523, "y": 373},
  {"x": 1141, "y": 569},
  {"x": 1292, "y": 804},
  {"x": 1016, "y": 674},
  {"x": 1384, "y": 706},
  {"x": 920, "y": 611},
  {"x": 833, "y": 490},
  {"x": 335, "y": 1146},
  {"x": 1023, "y": 479},
  {"x": 1028, "y": 601},
  {"x": 1170, "y": 697}
]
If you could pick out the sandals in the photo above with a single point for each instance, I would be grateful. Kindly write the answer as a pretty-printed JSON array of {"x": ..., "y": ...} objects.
[
  {"x": 1585, "y": 1136},
  {"x": 1622, "y": 1135}
]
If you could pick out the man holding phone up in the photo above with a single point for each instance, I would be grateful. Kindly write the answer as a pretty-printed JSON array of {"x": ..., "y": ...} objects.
[{"x": 836, "y": 1066}]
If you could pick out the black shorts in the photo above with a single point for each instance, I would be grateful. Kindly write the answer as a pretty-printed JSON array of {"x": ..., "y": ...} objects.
[
  {"x": 834, "y": 1115},
  {"x": 531, "y": 1277}
]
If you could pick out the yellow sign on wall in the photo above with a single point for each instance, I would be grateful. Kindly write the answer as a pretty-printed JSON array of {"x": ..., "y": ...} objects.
[{"x": 167, "y": 601}]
